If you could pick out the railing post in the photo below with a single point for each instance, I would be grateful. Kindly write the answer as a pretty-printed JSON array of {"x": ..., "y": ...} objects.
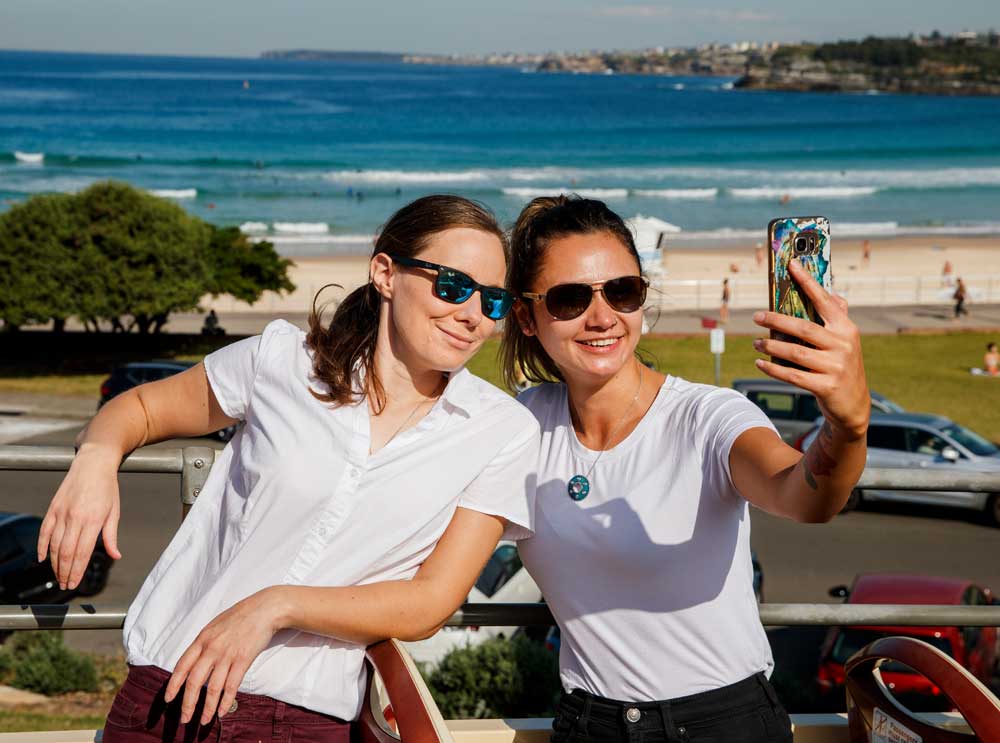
[{"x": 198, "y": 462}]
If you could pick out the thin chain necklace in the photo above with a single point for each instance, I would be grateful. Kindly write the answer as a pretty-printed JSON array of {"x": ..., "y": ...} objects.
[
  {"x": 412, "y": 413},
  {"x": 578, "y": 486}
]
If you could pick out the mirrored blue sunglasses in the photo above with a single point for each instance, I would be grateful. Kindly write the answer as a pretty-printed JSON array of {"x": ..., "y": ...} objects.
[{"x": 453, "y": 286}]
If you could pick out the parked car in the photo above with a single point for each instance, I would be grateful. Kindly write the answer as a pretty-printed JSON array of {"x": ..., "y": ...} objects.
[
  {"x": 932, "y": 442},
  {"x": 974, "y": 648},
  {"x": 792, "y": 409},
  {"x": 127, "y": 376},
  {"x": 24, "y": 580},
  {"x": 505, "y": 580}
]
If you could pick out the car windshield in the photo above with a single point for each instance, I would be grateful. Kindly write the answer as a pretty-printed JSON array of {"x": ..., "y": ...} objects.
[
  {"x": 970, "y": 440},
  {"x": 850, "y": 641}
]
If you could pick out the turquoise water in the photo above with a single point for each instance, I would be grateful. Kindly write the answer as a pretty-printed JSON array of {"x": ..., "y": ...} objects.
[{"x": 317, "y": 155}]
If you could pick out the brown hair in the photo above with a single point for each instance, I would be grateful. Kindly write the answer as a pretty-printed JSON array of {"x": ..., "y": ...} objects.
[
  {"x": 349, "y": 340},
  {"x": 543, "y": 220}
]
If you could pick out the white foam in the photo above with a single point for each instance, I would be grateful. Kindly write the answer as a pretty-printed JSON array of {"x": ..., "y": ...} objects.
[
  {"x": 864, "y": 228},
  {"x": 30, "y": 158},
  {"x": 587, "y": 193},
  {"x": 678, "y": 193},
  {"x": 322, "y": 239},
  {"x": 302, "y": 228},
  {"x": 254, "y": 228},
  {"x": 175, "y": 193},
  {"x": 405, "y": 176},
  {"x": 803, "y": 192}
]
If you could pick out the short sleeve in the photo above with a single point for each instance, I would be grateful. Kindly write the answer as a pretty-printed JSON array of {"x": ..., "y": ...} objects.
[
  {"x": 232, "y": 369},
  {"x": 506, "y": 487},
  {"x": 729, "y": 415}
]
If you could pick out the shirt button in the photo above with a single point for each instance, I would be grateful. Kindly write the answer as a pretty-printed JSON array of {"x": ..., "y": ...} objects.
[
  {"x": 632, "y": 714},
  {"x": 321, "y": 531},
  {"x": 355, "y": 472}
]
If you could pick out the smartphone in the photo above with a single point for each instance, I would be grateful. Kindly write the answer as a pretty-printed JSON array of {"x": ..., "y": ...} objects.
[{"x": 806, "y": 239}]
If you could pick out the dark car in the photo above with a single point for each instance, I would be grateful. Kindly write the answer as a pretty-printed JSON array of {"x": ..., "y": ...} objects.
[
  {"x": 24, "y": 580},
  {"x": 127, "y": 376},
  {"x": 792, "y": 409}
]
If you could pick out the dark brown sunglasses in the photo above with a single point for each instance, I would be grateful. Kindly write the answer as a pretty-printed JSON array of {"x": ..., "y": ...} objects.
[{"x": 567, "y": 301}]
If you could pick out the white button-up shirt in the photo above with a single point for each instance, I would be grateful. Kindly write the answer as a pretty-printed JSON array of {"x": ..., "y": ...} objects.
[{"x": 295, "y": 498}]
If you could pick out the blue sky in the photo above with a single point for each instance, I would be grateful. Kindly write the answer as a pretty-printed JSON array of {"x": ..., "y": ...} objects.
[{"x": 247, "y": 27}]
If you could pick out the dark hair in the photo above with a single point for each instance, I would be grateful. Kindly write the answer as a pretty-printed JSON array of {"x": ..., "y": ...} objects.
[
  {"x": 349, "y": 340},
  {"x": 991, "y": 344},
  {"x": 543, "y": 220}
]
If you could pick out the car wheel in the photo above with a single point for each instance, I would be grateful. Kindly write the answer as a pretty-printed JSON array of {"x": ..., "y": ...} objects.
[
  {"x": 853, "y": 501},
  {"x": 992, "y": 510},
  {"x": 95, "y": 577}
]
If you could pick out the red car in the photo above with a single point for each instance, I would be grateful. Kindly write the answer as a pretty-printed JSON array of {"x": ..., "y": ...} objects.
[{"x": 975, "y": 648}]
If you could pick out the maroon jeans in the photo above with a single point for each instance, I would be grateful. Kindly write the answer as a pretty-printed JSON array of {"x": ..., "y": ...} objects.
[{"x": 139, "y": 714}]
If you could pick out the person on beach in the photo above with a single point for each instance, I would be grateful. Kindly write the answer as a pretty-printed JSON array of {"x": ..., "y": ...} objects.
[
  {"x": 642, "y": 530},
  {"x": 724, "y": 306},
  {"x": 866, "y": 253},
  {"x": 369, "y": 482},
  {"x": 960, "y": 296},
  {"x": 947, "y": 278},
  {"x": 991, "y": 360}
]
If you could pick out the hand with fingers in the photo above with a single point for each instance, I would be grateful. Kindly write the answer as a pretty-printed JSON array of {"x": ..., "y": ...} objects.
[
  {"x": 832, "y": 365},
  {"x": 85, "y": 506},
  {"x": 219, "y": 657}
]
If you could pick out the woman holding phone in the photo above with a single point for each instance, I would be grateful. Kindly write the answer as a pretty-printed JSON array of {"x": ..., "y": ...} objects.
[
  {"x": 642, "y": 531},
  {"x": 368, "y": 485}
]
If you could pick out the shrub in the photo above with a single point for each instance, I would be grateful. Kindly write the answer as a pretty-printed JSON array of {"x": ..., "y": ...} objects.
[
  {"x": 498, "y": 678},
  {"x": 40, "y": 662}
]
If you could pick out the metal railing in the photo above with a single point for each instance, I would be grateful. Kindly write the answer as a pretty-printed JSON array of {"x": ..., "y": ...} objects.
[{"x": 194, "y": 463}]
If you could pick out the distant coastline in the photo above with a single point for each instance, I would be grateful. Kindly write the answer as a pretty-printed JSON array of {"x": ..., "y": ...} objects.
[{"x": 967, "y": 63}]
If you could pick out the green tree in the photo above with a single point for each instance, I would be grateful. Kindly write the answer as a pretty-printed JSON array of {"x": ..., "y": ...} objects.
[
  {"x": 121, "y": 255},
  {"x": 245, "y": 269},
  {"x": 39, "y": 241}
]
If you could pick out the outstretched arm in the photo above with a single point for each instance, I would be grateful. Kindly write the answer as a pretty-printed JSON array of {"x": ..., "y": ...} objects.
[
  {"x": 810, "y": 487},
  {"x": 86, "y": 505},
  {"x": 405, "y": 609}
]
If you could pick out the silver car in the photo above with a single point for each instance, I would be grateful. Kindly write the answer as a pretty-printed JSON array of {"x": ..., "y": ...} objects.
[
  {"x": 912, "y": 440},
  {"x": 791, "y": 409}
]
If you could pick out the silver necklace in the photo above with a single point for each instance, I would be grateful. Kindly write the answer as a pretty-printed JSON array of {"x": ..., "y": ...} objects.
[
  {"x": 578, "y": 486},
  {"x": 407, "y": 419}
]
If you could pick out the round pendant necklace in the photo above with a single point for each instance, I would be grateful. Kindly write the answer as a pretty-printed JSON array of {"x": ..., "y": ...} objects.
[{"x": 578, "y": 486}]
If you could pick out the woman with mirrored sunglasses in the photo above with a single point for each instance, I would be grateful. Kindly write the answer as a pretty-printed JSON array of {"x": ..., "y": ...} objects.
[
  {"x": 369, "y": 481},
  {"x": 642, "y": 530}
]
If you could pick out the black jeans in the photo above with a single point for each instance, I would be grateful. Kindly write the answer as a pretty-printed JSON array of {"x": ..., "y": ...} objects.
[{"x": 745, "y": 712}]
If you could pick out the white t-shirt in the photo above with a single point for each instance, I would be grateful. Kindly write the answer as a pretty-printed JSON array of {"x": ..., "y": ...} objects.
[
  {"x": 650, "y": 576},
  {"x": 295, "y": 498}
]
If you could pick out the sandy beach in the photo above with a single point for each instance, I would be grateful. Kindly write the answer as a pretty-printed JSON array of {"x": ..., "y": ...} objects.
[{"x": 901, "y": 270}]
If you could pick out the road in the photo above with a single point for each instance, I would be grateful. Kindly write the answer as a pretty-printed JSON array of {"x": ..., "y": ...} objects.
[{"x": 801, "y": 562}]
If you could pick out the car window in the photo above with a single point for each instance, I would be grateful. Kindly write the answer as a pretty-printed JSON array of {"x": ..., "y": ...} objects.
[
  {"x": 924, "y": 442},
  {"x": 970, "y": 440},
  {"x": 775, "y": 404},
  {"x": 9, "y": 548},
  {"x": 25, "y": 533},
  {"x": 808, "y": 408},
  {"x": 504, "y": 563},
  {"x": 851, "y": 640},
  {"x": 887, "y": 437}
]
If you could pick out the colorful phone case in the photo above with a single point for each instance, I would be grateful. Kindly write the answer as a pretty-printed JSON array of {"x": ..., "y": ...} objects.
[{"x": 785, "y": 295}]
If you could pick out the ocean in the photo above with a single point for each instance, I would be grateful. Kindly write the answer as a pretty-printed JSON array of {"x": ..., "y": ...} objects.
[{"x": 316, "y": 155}]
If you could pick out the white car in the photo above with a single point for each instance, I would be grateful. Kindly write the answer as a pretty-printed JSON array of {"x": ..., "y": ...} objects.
[{"x": 503, "y": 581}]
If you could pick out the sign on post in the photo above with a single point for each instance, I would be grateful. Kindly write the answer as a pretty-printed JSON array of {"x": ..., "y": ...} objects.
[{"x": 717, "y": 345}]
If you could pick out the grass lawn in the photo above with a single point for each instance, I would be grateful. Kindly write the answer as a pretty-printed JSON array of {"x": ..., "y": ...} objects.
[
  {"x": 17, "y": 722},
  {"x": 923, "y": 373}
]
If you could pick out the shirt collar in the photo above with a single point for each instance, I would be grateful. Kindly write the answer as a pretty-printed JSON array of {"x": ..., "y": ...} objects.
[{"x": 461, "y": 392}]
